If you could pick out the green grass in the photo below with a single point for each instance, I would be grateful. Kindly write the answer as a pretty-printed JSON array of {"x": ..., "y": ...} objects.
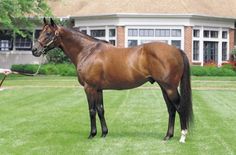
[{"x": 49, "y": 115}]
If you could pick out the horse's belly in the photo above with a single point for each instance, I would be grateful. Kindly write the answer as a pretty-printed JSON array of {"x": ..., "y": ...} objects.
[{"x": 124, "y": 84}]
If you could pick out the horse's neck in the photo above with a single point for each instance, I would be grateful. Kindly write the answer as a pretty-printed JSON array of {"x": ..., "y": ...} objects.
[{"x": 73, "y": 46}]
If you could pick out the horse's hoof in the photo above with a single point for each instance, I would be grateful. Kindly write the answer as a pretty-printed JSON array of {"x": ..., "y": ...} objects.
[
  {"x": 104, "y": 135},
  {"x": 91, "y": 136},
  {"x": 168, "y": 137}
]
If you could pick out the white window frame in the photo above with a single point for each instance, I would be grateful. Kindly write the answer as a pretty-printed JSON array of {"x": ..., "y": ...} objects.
[
  {"x": 106, "y": 28},
  {"x": 202, "y": 39},
  {"x": 24, "y": 48},
  {"x": 200, "y": 43},
  {"x": 161, "y": 39}
]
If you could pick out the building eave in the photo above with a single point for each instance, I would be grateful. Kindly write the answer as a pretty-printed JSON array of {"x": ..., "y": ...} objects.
[{"x": 147, "y": 15}]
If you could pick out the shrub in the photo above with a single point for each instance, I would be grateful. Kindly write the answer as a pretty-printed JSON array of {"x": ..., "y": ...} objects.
[
  {"x": 225, "y": 70},
  {"x": 25, "y": 68},
  {"x": 233, "y": 55},
  {"x": 198, "y": 71},
  {"x": 47, "y": 69},
  {"x": 69, "y": 70},
  {"x": 57, "y": 56}
]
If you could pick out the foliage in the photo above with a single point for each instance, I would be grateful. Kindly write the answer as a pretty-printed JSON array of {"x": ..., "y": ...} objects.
[
  {"x": 225, "y": 70},
  {"x": 233, "y": 55},
  {"x": 57, "y": 56},
  {"x": 18, "y": 12},
  {"x": 233, "y": 51},
  {"x": 47, "y": 69},
  {"x": 68, "y": 69}
]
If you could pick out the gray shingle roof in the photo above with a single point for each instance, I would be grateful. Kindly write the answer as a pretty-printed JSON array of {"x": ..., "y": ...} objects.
[{"x": 216, "y": 8}]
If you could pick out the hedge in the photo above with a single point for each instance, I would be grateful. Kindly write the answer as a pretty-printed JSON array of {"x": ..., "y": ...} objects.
[
  {"x": 226, "y": 70},
  {"x": 69, "y": 70},
  {"x": 47, "y": 69}
]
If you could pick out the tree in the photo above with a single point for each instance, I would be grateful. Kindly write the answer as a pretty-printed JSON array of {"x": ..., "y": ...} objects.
[{"x": 15, "y": 14}]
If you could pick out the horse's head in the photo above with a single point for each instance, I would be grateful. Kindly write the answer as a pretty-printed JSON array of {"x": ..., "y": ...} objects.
[{"x": 48, "y": 38}]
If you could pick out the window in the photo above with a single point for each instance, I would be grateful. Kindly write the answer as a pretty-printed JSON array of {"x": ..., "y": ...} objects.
[
  {"x": 23, "y": 42},
  {"x": 210, "y": 51},
  {"x": 214, "y": 34},
  {"x": 162, "y": 32},
  {"x": 137, "y": 36},
  {"x": 146, "y": 41},
  {"x": 6, "y": 40},
  {"x": 133, "y": 32},
  {"x": 224, "y": 34},
  {"x": 112, "y": 32},
  {"x": 196, "y": 50},
  {"x": 113, "y": 42},
  {"x": 210, "y": 34},
  {"x": 196, "y": 33},
  {"x": 132, "y": 43},
  {"x": 84, "y": 31},
  {"x": 206, "y": 34},
  {"x": 97, "y": 33},
  {"x": 4, "y": 45},
  {"x": 224, "y": 51},
  {"x": 101, "y": 33},
  {"x": 206, "y": 49},
  {"x": 176, "y": 43},
  {"x": 176, "y": 33},
  {"x": 146, "y": 32},
  {"x": 163, "y": 41}
]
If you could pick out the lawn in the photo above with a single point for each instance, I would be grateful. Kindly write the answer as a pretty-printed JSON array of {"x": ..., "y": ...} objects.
[{"x": 49, "y": 115}]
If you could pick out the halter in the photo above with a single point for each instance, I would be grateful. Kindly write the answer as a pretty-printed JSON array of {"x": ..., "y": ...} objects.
[{"x": 50, "y": 42}]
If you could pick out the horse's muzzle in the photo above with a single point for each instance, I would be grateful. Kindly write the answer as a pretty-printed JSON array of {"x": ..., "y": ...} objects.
[{"x": 37, "y": 50}]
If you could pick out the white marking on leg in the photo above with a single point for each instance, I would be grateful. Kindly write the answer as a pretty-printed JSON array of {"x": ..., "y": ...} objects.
[{"x": 183, "y": 136}]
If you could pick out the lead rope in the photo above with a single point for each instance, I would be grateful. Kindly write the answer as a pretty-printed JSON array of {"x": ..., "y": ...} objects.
[
  {"x": 26, "y": 74},
  {"x": 3, "y": 80},
  {"x": 40, "y": 64},
  {"x": 34, "y": 74}
]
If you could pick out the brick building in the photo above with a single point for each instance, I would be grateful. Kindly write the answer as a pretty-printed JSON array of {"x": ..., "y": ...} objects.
[{"x": 204, "y": 29}]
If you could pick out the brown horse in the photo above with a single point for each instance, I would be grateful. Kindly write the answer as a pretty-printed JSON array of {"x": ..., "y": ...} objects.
[{"x": 101, "y": 66}]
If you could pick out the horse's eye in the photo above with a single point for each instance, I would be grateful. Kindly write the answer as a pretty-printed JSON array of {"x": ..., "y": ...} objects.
[{"x": 48, "y": 33}]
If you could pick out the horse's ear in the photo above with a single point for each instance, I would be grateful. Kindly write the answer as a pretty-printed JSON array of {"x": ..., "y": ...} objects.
[
  {"x": 45, "y": 21},
  {"x": 52, "y": 23}
]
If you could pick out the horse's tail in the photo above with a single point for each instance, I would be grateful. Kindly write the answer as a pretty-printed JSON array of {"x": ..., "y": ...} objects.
[{"x": 186, "y": 92}]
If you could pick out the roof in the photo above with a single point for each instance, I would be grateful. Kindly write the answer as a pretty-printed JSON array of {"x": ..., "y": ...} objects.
[{"x": 77, "y": 8}]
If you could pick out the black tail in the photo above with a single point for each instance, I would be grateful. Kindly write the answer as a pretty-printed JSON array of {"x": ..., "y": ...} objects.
[{"x": 186, "y": 92}]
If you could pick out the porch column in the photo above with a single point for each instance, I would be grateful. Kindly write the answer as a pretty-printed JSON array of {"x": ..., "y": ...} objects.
[
  {"x": 231, "y": 41},
  {"x": 188, "y": 41},
  {"x": 120, "y": 37}
]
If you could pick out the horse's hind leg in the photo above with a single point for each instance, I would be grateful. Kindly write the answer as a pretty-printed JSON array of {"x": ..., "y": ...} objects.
[
  {"x": 100, "y": 110},
  {"x": 92, "y": 97},
  {"x": 172, "y": 111},
  {"x": 183, "y": 124},
  {"x": 172, "y": 99}
]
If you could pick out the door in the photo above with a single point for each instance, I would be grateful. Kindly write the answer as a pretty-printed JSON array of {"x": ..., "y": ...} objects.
[{"x": 210, "y": 52}]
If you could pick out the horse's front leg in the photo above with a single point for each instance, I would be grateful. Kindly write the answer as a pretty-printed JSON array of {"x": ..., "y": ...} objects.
[
  {"x": 100, "y": 110},
  {"x": 92, "y": 97}
]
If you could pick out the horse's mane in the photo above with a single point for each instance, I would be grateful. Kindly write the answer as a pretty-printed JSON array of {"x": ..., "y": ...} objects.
[{"x": 83, "y": 35}]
